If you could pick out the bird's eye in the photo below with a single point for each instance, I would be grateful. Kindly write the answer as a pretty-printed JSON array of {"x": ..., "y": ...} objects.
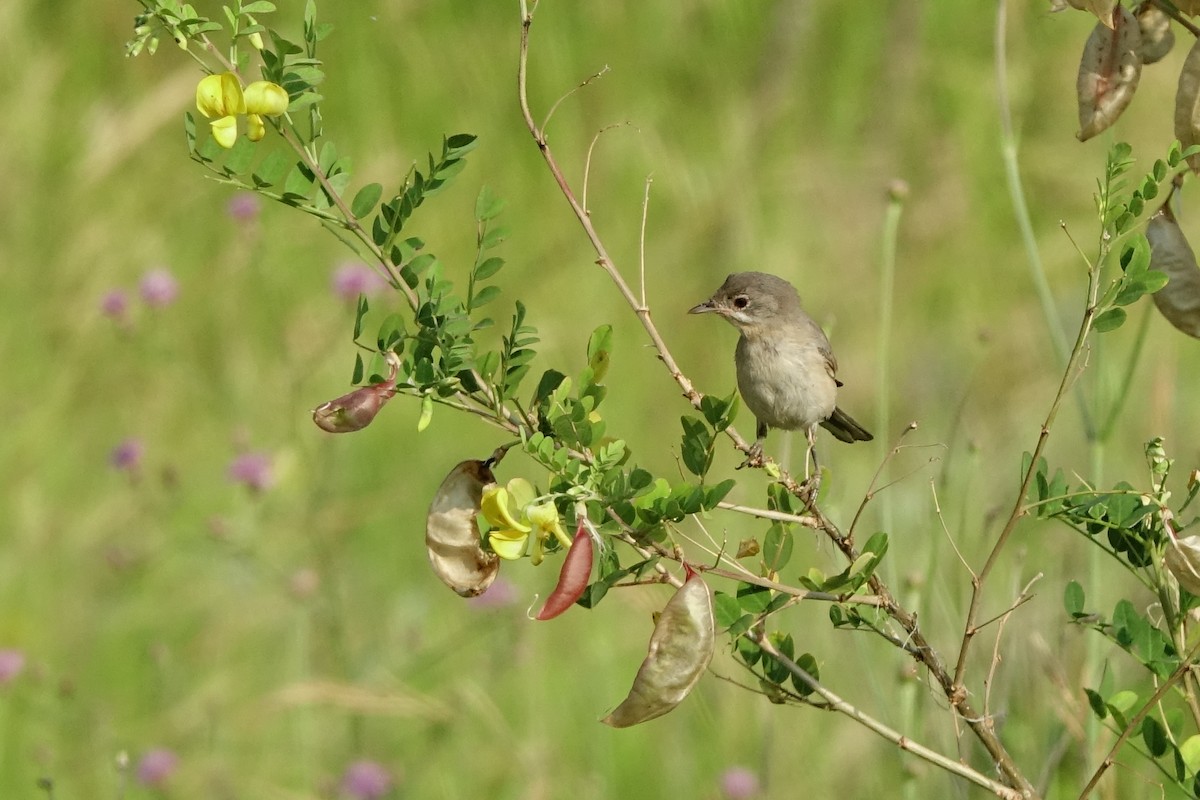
[{"x": 741, "y": 301}]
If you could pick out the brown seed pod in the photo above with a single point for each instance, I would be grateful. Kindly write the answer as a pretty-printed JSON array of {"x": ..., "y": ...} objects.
[
  {"x": 680, "y": 649},
  {"x": 1187, "y": 104},
  {"x": 1182, "y": 558},
  {"x": 452, "y": 537},
  {"x": 1157, "y": 36},
  {"x": 1179, "y": 300},
  {"x": 1108, "y": 72}
]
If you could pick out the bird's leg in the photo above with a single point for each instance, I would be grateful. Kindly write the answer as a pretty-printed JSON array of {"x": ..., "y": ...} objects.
[
  {"x": 812, "y": 481},
  {"x": 755, "y": 457}
]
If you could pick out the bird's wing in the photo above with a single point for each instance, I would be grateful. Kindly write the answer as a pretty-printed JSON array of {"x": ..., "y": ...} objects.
[{"x": 830, "y": 362}]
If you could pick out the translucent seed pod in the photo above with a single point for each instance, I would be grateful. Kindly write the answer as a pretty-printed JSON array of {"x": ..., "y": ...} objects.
[
  {"x": 452, "y": 537},
  {"x": 1179, "y": 300},
  {"x": 1109, "y": 71},
  {"x": 681, "y": 648},
  {"x": 1157, "y": 36}
]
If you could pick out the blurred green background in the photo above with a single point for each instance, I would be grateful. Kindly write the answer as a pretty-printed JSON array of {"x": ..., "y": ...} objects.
[{"x": 270, "y": 639}]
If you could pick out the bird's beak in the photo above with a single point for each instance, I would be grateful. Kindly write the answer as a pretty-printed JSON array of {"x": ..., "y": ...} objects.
[{"x": 704, "y": 308}]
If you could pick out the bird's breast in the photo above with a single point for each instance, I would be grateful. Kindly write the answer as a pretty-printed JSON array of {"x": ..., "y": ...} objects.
[{"x": 785, "y": 384}]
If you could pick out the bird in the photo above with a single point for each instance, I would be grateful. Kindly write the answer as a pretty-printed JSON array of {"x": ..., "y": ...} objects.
[{"x": 786, "y": 371}]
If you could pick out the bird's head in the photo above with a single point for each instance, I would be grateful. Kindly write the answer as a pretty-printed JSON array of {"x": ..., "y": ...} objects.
[{"x": 752, "y": 301}]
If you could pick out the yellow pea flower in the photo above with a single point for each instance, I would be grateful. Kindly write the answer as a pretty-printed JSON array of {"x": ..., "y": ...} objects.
[
  {"x": 222, "y": 96},
  {"x": 546, "y": 523},
  {"x": 509, "y": 534}
]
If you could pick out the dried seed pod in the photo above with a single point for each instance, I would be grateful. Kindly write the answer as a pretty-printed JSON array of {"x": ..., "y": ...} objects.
[
  {"x": 1187, "y": 104},
  {"x": 1179, "y": 300},
  {"x": 680, "y": 649},
  {"x": 1157, "y": 36},
  {"x": 1108, "y": 72},
  {"x": 452, "y": 533},
  {"x": 1182, "y": 557}
]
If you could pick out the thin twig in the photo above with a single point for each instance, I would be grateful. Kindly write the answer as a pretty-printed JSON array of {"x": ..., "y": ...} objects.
[{"x": 836, "y": 703}]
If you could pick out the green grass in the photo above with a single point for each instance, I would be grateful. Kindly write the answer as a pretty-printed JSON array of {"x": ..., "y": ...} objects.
[{"x": 161, "y": 612}]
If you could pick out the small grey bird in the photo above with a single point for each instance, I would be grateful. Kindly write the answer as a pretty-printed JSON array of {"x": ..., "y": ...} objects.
[{"x": 786, "y": 371}]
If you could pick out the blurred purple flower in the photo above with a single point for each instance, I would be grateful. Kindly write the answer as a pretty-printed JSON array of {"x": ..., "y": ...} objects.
[
  {"x": 252, "y": 469},
  {"x": 352, "y": 278},
  {"x": 739, "y": 783},
  {"x": 127, "y": 456},
  {"x": 115, "y": 305},
  {"x": 156, "y": 766},
  {"x": 500, "y": 594},
  {"x": 366, "y": 780},
  {"x": 12, "y": 661},
  {"x": 243, "y": 206},
  {"x": 159, "y": 288}
]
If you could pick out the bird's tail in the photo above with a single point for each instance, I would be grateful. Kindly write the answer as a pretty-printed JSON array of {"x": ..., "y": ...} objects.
[{"x": 843, "y": 426}]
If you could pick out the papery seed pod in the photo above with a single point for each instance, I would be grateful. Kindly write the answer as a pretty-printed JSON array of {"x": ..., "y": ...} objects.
[
  {"x": 1179, "y": 300},
  {"x": 1108, "y": 73},
  {"x": 452, "y": 537},
  {"x": 1157, "y": 36},
  {"x": 680, "y": 649},
  {"x": 1187, "y": 104},
  {"x": 1182, "y": 557}
]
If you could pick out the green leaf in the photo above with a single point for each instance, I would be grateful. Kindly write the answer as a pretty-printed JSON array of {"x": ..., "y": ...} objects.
[
  {"x": 488, "y": 268},
  {"x": 1155, "y": 736},
  {"x": 272, "y": 169},
  {"x": 189, "y": 131},
  {"x": 258, "y": 7},
  {"x": 365, "y": 200},
  {"x": 696, "y": 447},
  {"x": 777, "y": 547},
  {"x": 359, "y": 369},
  {"x": 726, "y": 609},
  {"x": 363, "y": 306},
  {"x": 1099, "y": 708},
  {"x": 1110, "y": 320},
  {"x": 487, "y": 205},
  {"x": 459, "y": 145},
  {"x": 1073, "y": 599},
  {"x": 598, "y": 349},
  {"x": 715, "y": 494},
  {"x": 808, "y": 663},
  {"x": 485, "y": 295},
  {"x": 1190, "y": 752},
  {"x": 753, "y": 599},
  {"x": 1135, "y": 257},
  {"x": 391, "y": 330}
]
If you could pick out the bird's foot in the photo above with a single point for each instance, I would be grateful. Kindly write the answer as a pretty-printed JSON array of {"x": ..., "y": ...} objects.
[
  {"x": 810, "y": 487},
  {"x": 754, "y": 457}
]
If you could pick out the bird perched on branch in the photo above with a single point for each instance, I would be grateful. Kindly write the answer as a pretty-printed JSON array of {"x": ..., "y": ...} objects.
[{"x": 786, "y": 371}]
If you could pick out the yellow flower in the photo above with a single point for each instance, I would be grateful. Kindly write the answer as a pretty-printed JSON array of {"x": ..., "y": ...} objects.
[
  {"x": 222, "y": 96},
  {"x": 546, "y": 523},
  {"x": 509, "y": 534},
  {"x": 513, "y": 516}
]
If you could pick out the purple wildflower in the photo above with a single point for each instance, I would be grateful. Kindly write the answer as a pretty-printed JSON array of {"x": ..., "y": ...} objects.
[
  {"x": 115, "y": 305},
  {"x": 159, "y": 288},
  {"x": 739, "y": 783},
  {"x": 243, "y": 207},
  {"x": 500, "y": 594},
  {"x": 252, "y": 469},
  {"x": 352, "y": 278},
  {"x": 156, "y": 766},
  {"x": 12, "y": 661},
  {"x": 366, "y": 780},
  {"x": 127, "y": 456}
]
